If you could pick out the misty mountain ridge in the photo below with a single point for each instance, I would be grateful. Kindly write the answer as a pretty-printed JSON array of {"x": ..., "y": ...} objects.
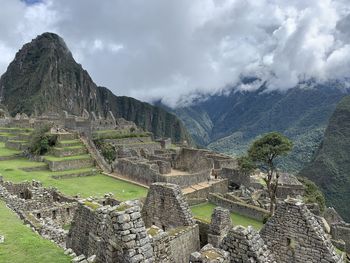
[{"x": 230, "y": 121}]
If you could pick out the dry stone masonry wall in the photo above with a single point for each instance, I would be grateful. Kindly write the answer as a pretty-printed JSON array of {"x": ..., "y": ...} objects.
[
  {"x": 294, "y": 235},
  {"x": 166, "y": 207}
]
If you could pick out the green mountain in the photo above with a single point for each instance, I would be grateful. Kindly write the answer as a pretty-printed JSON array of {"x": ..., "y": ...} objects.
[
  {"x": 229, "y": 123},
  {"x": 330, "y": 166},
  {"x": 44, "y": 77}
]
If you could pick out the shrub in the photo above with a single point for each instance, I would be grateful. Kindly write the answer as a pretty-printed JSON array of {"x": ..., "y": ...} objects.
[
  {"x": 107, "y": 150},
  {"x": 41, "y": 141},
  {"x": 312, "y": 193}
]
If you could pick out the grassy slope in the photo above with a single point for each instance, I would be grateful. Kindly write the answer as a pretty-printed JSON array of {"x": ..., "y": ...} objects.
[
  {"x": 204, "y": 211},
  {"x": 23, "y": 245}
]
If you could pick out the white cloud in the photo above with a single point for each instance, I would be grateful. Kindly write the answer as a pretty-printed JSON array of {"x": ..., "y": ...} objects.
[{"x": 176, "y": 49}]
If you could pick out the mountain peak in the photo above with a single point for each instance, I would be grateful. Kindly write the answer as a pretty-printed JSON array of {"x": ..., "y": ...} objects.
[{"x": 44, "y": 77}]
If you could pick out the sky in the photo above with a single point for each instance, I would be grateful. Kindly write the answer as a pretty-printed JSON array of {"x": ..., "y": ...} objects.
[{"x": 179, "y": 50}]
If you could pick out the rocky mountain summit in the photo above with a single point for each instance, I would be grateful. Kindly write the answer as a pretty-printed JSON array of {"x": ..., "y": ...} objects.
[{"x": 44, "y": 77}]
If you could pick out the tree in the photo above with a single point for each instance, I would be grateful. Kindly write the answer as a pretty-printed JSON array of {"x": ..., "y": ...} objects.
[
  {"x": 246, "y": 165},
  {"x": 263, "y": 153}
]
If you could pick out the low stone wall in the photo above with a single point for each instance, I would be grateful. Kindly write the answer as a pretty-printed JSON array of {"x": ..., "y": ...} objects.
[
  {"x": 219, "y": 186},
  {"x": 16, "y": 145},
  {"x": 235, "y": 177},
  {"x": 147, "y": 173},
  {"x": 139, "y": 172},
  {"x": 283, "y": 191},
  {"x": 250, "y": 211},
  {"x": 183, "y": 243},
  {"x": 63, "y": 153},
  {"x": 69, "y": 164},
  {"x": 186, "y": 180},
  {"x": 342, "y": 231},
  {"x": 73, "y": 175}
]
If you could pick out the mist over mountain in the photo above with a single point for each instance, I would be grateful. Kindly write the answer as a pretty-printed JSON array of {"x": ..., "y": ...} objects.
[
  {"x": 44, "y": 77},
  {"x": 230, "y": 122}
]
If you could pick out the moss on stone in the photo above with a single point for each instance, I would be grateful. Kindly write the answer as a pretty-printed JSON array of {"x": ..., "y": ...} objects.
[{"x": 92, "y": 205}]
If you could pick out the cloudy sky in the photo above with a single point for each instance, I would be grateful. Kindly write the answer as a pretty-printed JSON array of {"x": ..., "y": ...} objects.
[{"x": 173, "y": 50}]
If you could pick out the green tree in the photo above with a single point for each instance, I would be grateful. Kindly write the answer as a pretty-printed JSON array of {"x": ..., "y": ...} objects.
[
  {"x": 246, "y": 165},
  {"x": 263, "y": 153}
]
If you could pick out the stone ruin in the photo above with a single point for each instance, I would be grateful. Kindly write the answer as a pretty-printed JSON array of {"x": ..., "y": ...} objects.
[
  {"x": 112, "y": 233},
  {"x": 45, "y": 209},
  {"x": 166, "y": 207},
  {"x": 246, "y": 245},
  {"x": 119, "y": 233},
  {"x": 210, "y": 254},
  {"x": 294, "y": 235},
  {"x": 86, "y": 123},
  {"x": 219, "y": 226}
]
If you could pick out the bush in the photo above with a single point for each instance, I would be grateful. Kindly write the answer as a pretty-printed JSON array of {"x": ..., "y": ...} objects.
[
  {"x": 107, "y": 150},
  {"x": 312, "y": 193},
  {"x": 41, "y": 141}
]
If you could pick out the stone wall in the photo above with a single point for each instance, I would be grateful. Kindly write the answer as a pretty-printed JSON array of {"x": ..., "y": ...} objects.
[
  {"x": 160, "y": 241},
  {"x": 210, "y": 254},
  {"x": 193, "y": 160},
  {"x": 114, "y": 234},
  {"x": 69, "y": 164},
  {"x": 246, "y": 245},
  {"x": 203, "y": 231},
  {"x": 142, "y": 172},
  {"x": 166, "y": 207},
  {"x": 235, "y": 177},
  {"x": 184, "y": 242},
  {"x": 294, "y": 235},
  {"x": 341, "y": 231},
  {"x": 44, "y": 209},
  {"x": 219, "y": 226},
  {"x": 217, "y": 186},
  {"x": 240, "y": 208},
  {"x": 186, "y": 180}
]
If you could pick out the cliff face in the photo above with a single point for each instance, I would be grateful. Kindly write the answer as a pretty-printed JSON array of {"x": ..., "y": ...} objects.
[
  {"x": 44, "y": 77},
  {"x": 330, "y": 167}
]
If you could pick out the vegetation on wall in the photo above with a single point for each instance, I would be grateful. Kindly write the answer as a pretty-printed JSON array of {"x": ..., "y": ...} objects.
[
  {"x": 107, "y": 150},
  {"x": 41, "y": 141},
  {"x": 312, "y": 193}
]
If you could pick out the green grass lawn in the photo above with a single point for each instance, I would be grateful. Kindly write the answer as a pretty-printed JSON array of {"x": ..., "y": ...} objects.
[
  {"x": 23, "y": 245},
  {"x": 85, "y": 186},
  {"x": 204, "y": 211},
  {"x": 7, "y": 152}
]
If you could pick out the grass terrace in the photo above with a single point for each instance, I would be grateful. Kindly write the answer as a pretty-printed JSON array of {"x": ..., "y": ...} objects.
[
  {"x": 23, "y": 245},
  {"x": 118, "y": 134},
  {"x": 96, "y": 185},
  {"x": 204, "y": 211},
  {"x": 7, "y": 152}
]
